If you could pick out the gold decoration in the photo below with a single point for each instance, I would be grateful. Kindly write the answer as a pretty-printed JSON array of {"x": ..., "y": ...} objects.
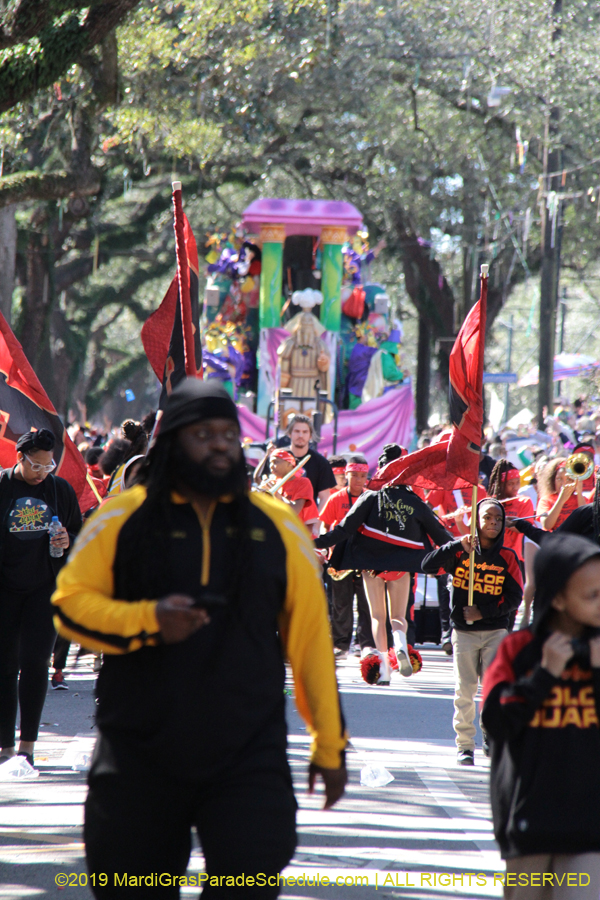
[
  {"x": 333, "y": 234},
  {"x": 272, "y": 234}
]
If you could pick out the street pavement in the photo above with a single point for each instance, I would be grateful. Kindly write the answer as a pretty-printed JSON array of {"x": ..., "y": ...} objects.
[{"x": 426, "y": 834}]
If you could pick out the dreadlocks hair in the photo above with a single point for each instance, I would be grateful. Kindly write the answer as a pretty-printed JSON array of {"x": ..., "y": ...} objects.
[
  {"x": 148, "y": 532},
  {"x": 496, "y": 486}
]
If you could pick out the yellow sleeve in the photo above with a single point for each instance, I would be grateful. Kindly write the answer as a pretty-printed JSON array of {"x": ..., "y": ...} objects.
[
  {"x": 85, "y": 609},
  {"x": 304, "y": 628}
]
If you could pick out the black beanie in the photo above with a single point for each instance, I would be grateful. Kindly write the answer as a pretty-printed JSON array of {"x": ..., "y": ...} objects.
[
  {"x": 559, "y": 556},
  {"x": 194, "y": 400},
  {"x": 36, "y": 440},
  {"x": 390, "y": 452}
]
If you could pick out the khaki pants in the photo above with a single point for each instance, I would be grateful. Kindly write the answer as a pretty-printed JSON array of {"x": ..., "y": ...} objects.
[
  {"x": 584, "y": 867},
  {"x": 473, "y": 652}
]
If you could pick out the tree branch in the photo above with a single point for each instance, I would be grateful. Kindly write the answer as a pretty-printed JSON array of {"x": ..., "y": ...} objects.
[
  {"x": 60, "y": 46},
  {"x": 24, "y": 186}
]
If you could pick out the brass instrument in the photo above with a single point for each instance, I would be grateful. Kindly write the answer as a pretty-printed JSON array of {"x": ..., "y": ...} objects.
[{"x": 579, "y": 467}]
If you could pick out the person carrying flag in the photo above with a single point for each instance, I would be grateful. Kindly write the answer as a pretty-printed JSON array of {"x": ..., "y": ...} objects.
[
  {"x": 478, "y": 629},
  {"x": 29, "y": 497}
]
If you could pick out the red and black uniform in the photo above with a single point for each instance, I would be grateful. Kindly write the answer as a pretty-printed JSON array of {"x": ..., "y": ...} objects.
[
  {"x": 390, "y": 530},
  {"x": 544, "y": 732},
  {"x": 346, "y": 584},
  {"x": 498, "y": 588},
  {"x": 546, "y": 744}
]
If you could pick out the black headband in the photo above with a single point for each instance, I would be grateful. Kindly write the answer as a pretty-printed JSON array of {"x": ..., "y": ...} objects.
[{"x": 36, "y": 440}]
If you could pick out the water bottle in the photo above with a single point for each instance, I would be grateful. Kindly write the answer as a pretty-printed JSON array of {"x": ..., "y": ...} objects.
[{"x": 53, "y": 529}]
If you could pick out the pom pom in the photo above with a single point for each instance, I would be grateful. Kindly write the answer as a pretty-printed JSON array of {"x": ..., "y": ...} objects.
[
  {"x": 393, "y": 659},
  {"x": 369, "y": 668},
  {"x": 416, "y": 660}
]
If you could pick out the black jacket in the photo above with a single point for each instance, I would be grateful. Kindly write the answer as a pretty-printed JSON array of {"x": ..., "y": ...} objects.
[
  {"x": 498, "y": 582},
  {"x": 581, "y": 521},
  {"x": 390, "y": 530},
  {"x": 544, "y": 731},
  {"x": 58, "y": 494}
]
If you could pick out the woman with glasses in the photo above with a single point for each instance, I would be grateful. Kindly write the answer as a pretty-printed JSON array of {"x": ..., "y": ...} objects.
[{"x": 29, "y": 496}]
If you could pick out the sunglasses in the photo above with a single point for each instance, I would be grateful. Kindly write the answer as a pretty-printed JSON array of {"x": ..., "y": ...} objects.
[{"x": 37, "y": 467}]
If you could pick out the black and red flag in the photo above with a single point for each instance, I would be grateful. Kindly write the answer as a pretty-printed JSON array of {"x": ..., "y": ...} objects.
[
  {"x": 171, "y": 335},
  {"x": 453, "y": 460},
  {"x": 24, "y": 404}
]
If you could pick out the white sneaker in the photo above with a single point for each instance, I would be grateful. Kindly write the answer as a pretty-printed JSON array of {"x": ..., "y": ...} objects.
[
  {"x": 401, "y": 648},
  {"x": 384, "y": 669}
]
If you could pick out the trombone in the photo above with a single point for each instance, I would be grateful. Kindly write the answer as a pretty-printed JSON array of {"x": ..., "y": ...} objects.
[{"x": 579, "y": 467}]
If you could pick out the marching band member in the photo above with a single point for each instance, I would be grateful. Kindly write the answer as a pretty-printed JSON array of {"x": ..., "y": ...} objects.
[{"x": 387, "y": 531}]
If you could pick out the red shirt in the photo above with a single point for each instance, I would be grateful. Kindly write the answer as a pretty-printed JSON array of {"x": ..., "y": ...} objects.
[
  {"x": 518, "y": 507},
  {"x": 447, "y": 501},
  {"x": 301, "y": 489},
  {"x": 336, "y": 507},
  {"x": 545, "y": 504}
]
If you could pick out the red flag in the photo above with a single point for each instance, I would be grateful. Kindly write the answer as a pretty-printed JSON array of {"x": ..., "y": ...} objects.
[
  {"x": 466, "y": 392},
  {"x": 426, "y": 469},
  {"x": 24, "y": 404},
  {"x": 164, "y": 332},
  {"x": 453, "y": 460}
]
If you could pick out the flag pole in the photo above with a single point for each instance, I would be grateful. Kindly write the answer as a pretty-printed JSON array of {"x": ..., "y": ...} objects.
[
  {"x": 183, "y": 275},
  {"x": 484, "y": 276}
]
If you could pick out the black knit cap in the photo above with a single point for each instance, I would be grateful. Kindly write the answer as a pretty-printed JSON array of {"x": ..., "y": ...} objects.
[
  {"x": 559, "y": 556},
  {"x": 194, "y": 400},
  {"x": 36, "y": 440}
]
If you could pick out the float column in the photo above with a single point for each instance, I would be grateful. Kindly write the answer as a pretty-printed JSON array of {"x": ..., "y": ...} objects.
[
  {"x": 269, "y": 306},
  {"x": 332, "y": 240}
]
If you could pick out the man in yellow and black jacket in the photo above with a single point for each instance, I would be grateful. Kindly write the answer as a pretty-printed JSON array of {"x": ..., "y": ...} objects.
[{"x": 195, "y": 591}]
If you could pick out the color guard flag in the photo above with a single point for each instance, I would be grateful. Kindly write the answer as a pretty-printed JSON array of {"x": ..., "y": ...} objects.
[
  {"x": 466, "y": 392},
  {"x": 452, "y": 460},
  {"x": 171, "y": 335},
  {"x": 24, "y": 404}
]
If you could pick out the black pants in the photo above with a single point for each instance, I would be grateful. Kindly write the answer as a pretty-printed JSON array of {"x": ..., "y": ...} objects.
[
  {"x": 246, "y": 823},
  {"x": 342, "y": 612},
  {"x": 61, "y": 652},
  {"x": 27, "y": 637}
]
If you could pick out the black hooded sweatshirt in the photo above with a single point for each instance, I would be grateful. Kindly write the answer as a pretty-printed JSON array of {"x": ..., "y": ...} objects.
[
  {"x": 498, "y": 582},
  {"x": 544, "y": 733}
]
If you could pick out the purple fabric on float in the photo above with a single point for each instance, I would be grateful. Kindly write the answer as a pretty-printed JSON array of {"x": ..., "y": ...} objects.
[
  {"x": 385, "y": 420},
  {"x": 358, "y": 367}
]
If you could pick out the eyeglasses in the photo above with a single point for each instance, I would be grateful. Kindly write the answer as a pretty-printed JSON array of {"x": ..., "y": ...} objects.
[{"x": 37, "y": 467}]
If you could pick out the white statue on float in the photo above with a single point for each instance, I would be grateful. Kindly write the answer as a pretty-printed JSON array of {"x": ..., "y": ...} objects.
[{"x": 304, "y": 359}]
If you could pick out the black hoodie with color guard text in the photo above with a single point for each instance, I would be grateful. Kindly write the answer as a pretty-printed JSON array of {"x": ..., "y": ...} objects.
[
  {"x": 498, "y": 583},
  {"x": 543, "y": 730}
]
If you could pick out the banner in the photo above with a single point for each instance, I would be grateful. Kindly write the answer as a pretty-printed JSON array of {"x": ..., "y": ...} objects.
[{"x": 24, "y": 404}]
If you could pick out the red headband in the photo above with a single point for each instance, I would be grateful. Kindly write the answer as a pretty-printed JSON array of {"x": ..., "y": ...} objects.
[
  {"x": 512, "y": 473},
  {"x": 357, "y": 467},
  {"x": 562, "y": 465},
  {"x": 338, "y": 470},
  {"x": 585, "y": 448},
  {"x": 285, "y": 455}
]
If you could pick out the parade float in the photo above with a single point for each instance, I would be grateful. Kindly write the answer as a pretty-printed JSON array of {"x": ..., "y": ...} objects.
[{"x": 292, "y": 322}]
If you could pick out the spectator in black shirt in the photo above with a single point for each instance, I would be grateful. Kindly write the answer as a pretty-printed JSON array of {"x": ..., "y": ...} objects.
[
  {"x": 318, "y": 470},
  {"x": 29, "y": 497}
]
